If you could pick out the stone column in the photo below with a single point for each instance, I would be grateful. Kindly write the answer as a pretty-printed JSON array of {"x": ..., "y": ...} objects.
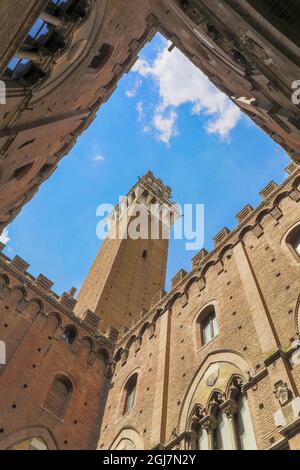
[{"x": 229, "y": 408}]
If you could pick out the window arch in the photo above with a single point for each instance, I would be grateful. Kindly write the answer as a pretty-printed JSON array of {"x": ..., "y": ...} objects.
[
  {"x": 293, "y": 241},
  {"x": 69, "y": 334},
  {"x": 207, "y": 325},
  {"x": 225, "y": 424},
  {"x": 59, "y": 396},
  {"x": 130, "y": 393}
]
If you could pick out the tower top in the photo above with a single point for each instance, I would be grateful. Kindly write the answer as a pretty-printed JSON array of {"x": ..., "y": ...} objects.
[{"x": 155, "y": 185}]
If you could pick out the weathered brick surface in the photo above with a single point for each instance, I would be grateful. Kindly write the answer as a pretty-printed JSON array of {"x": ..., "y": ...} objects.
[{"x": 251, "y": 279}]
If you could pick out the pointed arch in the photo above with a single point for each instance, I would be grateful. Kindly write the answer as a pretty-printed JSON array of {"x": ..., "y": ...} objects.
[
  {"x": 29, "y": 433},
  {"x": 128, "y": 438},
  {"x": 222, "y": 355}
]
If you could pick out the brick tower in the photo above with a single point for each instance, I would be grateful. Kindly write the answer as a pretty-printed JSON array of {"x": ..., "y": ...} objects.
[{"x": 128, "y": 272}]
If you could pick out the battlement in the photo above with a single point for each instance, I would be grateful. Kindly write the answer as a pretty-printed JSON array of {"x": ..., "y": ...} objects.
[
  {"x": 248, "y": 218},
  {"x": 42, "y": 286}
]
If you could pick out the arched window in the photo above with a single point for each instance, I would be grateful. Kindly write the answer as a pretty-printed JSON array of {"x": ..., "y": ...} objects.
[
  {"x": 293, "y": 241},
  {"x": 243, "y": 425},
  {"x": 58, "y": 396},
  {"x": 202, "y": 439},
  {"x": 130, "y": 392},
  {"x": 69, "y": 334},
  {"x": 208, "y": 325},
  {"x": 222, "y": 433}
]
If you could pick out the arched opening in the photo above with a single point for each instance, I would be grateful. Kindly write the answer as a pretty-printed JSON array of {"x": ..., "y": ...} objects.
[
  {"x": 207, "y": 325},
  {"x": 222, "y": 435},
  {"x": 243, "y": 425},
  {"x": 293, "y": 241},
  {"x": 102, "y": 57},
  {"x": 59, "y": 396},
  {"x": 22, "y": 171},
  {"x": 130, "y": 393},
  {"x": 69, "y": 334}
]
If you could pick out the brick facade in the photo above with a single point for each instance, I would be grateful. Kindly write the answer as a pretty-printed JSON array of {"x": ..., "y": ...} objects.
[{"x": 250, "y": 279}]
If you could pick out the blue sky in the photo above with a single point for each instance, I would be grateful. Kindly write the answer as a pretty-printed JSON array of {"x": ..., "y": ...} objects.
[{"x": 164, "y": 116}]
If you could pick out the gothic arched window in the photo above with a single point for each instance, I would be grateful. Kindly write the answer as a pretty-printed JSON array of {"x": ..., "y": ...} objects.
[
  {"x": 208, "y": 324},
  {"x": 58, "y": 396},
  {"x": 202, "y": 439},
  {"x": 293, "y": 241},
  {"x": 243, "y": 425},
  {"x": 222, "y": 433},
  {"x": 130, "y": 392}
]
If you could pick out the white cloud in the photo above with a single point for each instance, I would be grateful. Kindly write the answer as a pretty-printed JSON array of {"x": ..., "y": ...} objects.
[
  {"x": 4, "y": 238},
  {"x": 165, "y": 125},
  {"x": 140, "y": 111},
  {"x": 132, "y": 93},
  {"x": 98, "y": 158},
  {"x": 179, "y": 83}
]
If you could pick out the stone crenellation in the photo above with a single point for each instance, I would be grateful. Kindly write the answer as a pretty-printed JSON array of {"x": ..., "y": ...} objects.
[{"x": 225, "y": 240}]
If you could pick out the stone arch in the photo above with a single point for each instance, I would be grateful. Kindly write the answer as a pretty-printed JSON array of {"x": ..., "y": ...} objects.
[
  {"x": 207, "y": 266},
  {"x": 4, "y": 280},
  {"x": 280, "y": 198},
  {"x": 189, "y": 284},
  {"x": 35, "y": 306},
  {"x": 144, "y": 329},
  {"x": 103, "y": 355},
  {"x": 157, "y": 315},
  {"x": 29, "y": 433},
  {"x": 118, "y": 354},
  {"x": 296, "y": 182},
  {"x": 173, "y": 299},
  {"x": 128, "y": 439},
  {"x": 244, "y": 231},
  {"x": 224, "y": 250},
  {"x": 55, "y": 318},
  {"x": 221, "y": 356},
  {"x": 214, "y": 400},
  {"x": 87, "y": 343},
  {"x": 234, "y": 386},
  {"x": 130, "y": 342},
  {"x": 20, "y": 291},
  {"x": 297, "y": 317},
  {"x": 262, "y": 214}
]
